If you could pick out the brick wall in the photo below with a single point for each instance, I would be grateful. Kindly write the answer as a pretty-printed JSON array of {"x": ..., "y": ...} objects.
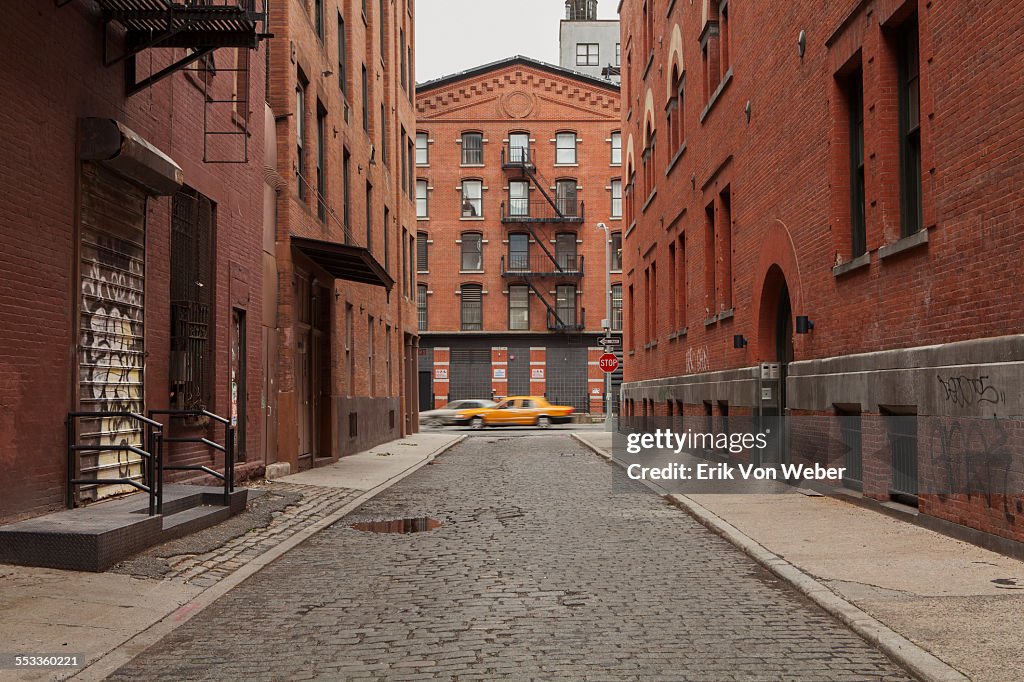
[
  {"x": 517, "y": 96},
  {"x": 787, "y": 172},
  {"x": 772, "y": 164},
  {"x": 54, "y": 75},
  {"x": 297, "y": 49}
]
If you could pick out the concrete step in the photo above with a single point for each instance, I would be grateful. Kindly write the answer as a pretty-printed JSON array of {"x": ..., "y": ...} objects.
[{"x": 95, "y": 537}]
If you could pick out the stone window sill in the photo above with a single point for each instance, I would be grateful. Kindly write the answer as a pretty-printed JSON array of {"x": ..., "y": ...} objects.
[
  {"x": 903, "y": 245},
  {"x": 647, "y": 204},
  {"x": 675, "y": 159},
  {"x": 861, "y": 261},
  {"x": 716, "y": 95}
]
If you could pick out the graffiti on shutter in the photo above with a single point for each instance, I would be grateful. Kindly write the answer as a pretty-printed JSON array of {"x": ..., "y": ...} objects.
[{"x": 111, "y": 354}]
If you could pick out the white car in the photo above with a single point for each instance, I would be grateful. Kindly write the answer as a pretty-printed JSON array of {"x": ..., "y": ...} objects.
[{"x": 445, "y": 416}]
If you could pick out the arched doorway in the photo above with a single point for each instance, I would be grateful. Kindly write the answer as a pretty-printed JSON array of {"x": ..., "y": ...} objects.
[{"x": 775, "y": 347}]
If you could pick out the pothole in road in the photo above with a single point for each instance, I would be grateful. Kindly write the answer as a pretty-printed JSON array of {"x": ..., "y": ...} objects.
[{"x": 412, "y": 525}]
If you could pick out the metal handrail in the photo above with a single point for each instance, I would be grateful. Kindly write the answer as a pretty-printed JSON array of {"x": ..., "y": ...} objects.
[
  {"x": 555, "y": 323},
  {"x": 228, "y": 477},
  {"x": 539, "y": 265},
  {"x": 152, "y": 457},
  {"x": 530, "y": 211}
]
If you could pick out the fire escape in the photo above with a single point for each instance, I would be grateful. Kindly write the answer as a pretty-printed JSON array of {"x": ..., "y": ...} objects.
[
  {"x": 167, "y": 36},
  {"x": 560, "y": 267}
]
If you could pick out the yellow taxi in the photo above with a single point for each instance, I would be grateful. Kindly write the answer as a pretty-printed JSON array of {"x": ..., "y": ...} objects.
[{"x": 521, "y": 410}]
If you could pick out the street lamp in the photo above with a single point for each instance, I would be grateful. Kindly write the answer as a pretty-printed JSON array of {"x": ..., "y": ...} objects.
[{"x": 606, "y": 323}]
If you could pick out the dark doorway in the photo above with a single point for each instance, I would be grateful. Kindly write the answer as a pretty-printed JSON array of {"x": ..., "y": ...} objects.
[{"x": 426, "y": 391}]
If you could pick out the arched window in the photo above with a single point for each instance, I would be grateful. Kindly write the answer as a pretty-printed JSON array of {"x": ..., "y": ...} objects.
[
  {"x": 472, "y": 149},
  {"x": 472, "y": 307}
]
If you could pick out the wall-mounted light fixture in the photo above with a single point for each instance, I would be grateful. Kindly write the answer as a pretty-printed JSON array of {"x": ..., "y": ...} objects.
[
  {"x": 739, "y": 342},
  {"x": 801, "y": 44},
  {"x": 804, "y": 325}
]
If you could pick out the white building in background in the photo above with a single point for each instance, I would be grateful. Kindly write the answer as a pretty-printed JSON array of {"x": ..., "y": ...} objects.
[{"x": 588, "y": 44}]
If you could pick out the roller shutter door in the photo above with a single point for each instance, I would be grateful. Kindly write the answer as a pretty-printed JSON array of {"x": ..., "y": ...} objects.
[
  {"x": 111, "y": 355},
  {"x": 567, "y": 377},
  {"x": 469, "y": 374},
  {"x": 519, "y": 371}
]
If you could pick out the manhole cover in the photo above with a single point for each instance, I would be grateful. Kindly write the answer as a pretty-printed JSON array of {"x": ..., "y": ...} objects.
[{"x": 415, "y": 525}]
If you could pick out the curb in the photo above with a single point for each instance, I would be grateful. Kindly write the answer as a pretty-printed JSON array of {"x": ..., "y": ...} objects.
[
  {"x": 916, "y": 660},
  {"x": 114, "y": 659}
]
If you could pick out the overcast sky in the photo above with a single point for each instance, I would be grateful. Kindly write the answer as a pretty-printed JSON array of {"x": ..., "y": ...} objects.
[{"x": 455, "y": 35}]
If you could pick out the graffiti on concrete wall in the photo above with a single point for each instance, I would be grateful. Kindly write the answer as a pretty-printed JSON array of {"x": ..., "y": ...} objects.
[{"x": 964, "y": 391}]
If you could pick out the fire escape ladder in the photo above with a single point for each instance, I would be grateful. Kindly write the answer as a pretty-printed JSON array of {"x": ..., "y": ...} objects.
[
  {"x": 132, "y": 28},
  {"x": 539, "y": 181},
  {"x": 543, "y": 246},
  {"x": 234, "y": 123},
  {"x": 544, "y": 300}
]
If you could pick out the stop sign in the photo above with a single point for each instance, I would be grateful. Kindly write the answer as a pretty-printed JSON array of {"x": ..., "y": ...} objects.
[{"x": 608, "y": 363}]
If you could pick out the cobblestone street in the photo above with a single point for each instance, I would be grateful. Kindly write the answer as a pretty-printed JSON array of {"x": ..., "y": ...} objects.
[{"x": 538, "y": 571}]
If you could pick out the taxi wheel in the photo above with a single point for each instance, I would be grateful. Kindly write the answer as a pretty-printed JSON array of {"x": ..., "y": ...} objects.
[
  {"x": 543, "y": 422},
  {"x": 477, "y": 423}
]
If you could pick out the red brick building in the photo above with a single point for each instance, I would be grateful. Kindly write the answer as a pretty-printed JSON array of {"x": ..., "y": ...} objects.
[
  {"x": 129, "y": 238},
  {"x": 518, "y": 162},
  {"x": 854, "y": 165},
  {"x": 339, "y": 275}
]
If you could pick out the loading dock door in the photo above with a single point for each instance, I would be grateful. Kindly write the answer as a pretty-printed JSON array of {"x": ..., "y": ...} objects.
[
  {"x": 519, "y": 371},
  {"x": 567, "y": 378},
  {"x": 470, "y": 375}
]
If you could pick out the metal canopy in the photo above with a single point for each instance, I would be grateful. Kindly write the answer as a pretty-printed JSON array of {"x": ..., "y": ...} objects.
[{"x": 345, "y": 261}]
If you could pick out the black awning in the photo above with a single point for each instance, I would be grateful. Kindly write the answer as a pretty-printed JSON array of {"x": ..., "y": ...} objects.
[{"x": 345, "y": 262}]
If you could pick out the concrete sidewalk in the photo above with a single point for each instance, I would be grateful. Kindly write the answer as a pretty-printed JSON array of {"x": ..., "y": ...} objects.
[
  {"x": 106, "y": 618},
  {"x": 954, "y": 600}
]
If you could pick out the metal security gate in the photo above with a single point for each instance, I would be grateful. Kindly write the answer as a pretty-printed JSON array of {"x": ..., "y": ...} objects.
[
  {"x": 470, "y": 374},
  {"x": 111, "y": 354},
  {"x": 519, "y": 371},
  {"x": 903, "y": 444},
  {"x": 567, "y": 378}
]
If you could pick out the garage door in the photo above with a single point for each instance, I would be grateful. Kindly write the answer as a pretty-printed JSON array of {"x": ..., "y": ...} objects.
[
  {"x": 567, "y": 377},
  {"x": 469, "y": 374}
]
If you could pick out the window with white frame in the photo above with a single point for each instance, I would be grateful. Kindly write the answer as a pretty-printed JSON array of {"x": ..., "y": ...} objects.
[
  {"x": 565, "y": 148},
  {"x": 472, "y": 198},
  {"x": 616, "y": 148},
  {"x": 519, "y": 307},
  {"x": 587, "y": 54},
  {"x": 421, "y": 199},
  {"x": 472, "y": 251},
  {"x": 472, "y": 149},
  {"x": 422, "y": 149},
  {"x": 616, "y": 320},
  {"x": 618, "y": 53},
  {"x": 565, "y": 198},
  {"x": 616, "y": 198},
  {"x": 518, "y": 198}
]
